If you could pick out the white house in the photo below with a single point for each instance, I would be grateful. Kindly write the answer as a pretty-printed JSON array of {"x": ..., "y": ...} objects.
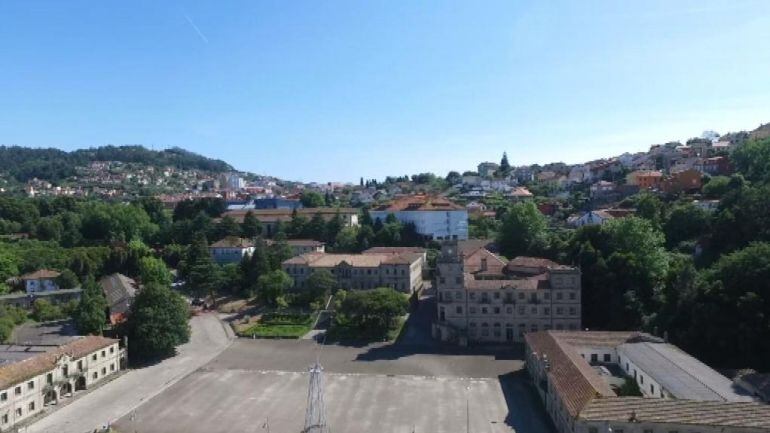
[
  {"x": 231, "y": 249},
  {"x": 434, "y": 217},
  {"x": 30, "y": 384},
  {"x": 43, "y": 280}
]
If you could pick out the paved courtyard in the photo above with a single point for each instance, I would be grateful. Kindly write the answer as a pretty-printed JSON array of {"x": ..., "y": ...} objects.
[{"x": 380, "y": 388}]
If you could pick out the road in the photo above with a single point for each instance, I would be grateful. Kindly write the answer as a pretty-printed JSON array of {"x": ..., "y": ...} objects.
[{"x": 115, "y": 399}]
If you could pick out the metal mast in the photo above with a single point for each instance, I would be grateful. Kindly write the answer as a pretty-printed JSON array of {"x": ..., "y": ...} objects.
[{"x": 315, "y": 417}]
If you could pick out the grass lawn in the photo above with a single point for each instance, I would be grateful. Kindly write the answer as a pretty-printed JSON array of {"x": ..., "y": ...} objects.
[{"x": 280, "y": 325}]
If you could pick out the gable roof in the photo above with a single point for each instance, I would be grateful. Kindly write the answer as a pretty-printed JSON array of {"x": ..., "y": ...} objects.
[
  {"x": 233, "y": 242},
  {"x": 574, "y": 380},
  {"x": 42, "y": 274},
  {"x": 119, "y": 291},
  {"x": 419, "y": 202},
  {"x": 18, "y": 372}
]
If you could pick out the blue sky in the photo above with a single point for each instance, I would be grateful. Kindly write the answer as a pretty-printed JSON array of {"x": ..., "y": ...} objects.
[{"x": 332, "y": 90}]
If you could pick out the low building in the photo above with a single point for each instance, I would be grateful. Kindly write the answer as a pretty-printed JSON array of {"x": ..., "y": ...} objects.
[
  {"x": 483, "y": 298},
  {"x": 402, "y": 272},
  {"x": 27, "y": 300},
  {"x": 598, "y": 217},
  {"x": 120, "y": 291},
  {"x": 43, "y": 280},
  {"x": 689, "y": 180},
  {"x": 271, "y": 218},
  {"x": 28, "y": 384},
  {"x": 231, "y": 249},
  {"x": 433, "y": 217},
  {"x": 487, "y": 169},
  {"x": 645, "y": 179},
  {"x": 579, "y": 376}
]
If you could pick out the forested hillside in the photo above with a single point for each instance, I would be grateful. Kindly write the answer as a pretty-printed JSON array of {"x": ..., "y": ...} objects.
[{"x": 23, "y": 163}]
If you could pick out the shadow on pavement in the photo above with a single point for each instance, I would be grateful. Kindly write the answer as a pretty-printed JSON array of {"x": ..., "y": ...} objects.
[
  {"x": 526, "y": 412},
  {"x": 396, "y": 351}
]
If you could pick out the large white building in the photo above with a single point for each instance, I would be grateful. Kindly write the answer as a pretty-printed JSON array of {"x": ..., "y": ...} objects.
[
  {"x": 433, "y": 217},
  {"x": 28, "y": 384},
  {"x": 484, "y": 298},
  {"x": 583, "y": 379}
]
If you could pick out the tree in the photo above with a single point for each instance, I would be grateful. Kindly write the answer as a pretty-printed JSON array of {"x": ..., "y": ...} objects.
[
  {"x": 91, "y": 313},
  {"x": 373, "y": 310},
  {"x": 716, "y": 187},
  {"x": 347, "y": 240},
  {"x": 228, "y": 227},
  {"x": 523, "y": 230},
  {"x": 315, "y": 229},
  {"x": 251, "y": 227},
  {"x": 505, "y": 166},
  {"x": 685, "y": 222},
  {"x": 649, "y": 207},
  {"x": 333, "y": 227},
  {"x": 157, "y": 323},
  {"x": 273, "y": 285},
  {"x": 320, "y": 284},
  {"x": 453, "y": 178},
  {"x": 278, "y": 252},
  {"x": 67, "y": 280},
  {"x": 311, "y": 199},
  {"x": 753, "y": 160},
  {"x": 153, "y": 270},
  {"x": 201, "y": 272}
]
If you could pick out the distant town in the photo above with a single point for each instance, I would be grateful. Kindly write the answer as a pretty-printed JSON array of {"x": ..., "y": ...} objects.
[{"x": 161, "y": 291}]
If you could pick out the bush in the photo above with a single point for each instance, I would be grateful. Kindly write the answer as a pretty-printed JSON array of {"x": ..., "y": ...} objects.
[{"x": 44, "y": 311}]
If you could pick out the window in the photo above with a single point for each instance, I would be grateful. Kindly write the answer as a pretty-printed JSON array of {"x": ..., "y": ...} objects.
[
  {"x": 459, "y": 310},
  {"x": 472, "y": 296},
  {"x": 49, "y": 378},
  {"x": 96, "y": 375},
  {"x": 18, "y": 412},
  {"x": 112, "y": 367},
  {"x": 31, "y": 406},
  {"x": 442, "y": 280},
  {"x": 5, "y": 418},
  {"x": 521, "y": 295},
  {"x": 509, "y": 310},
  {"x": 497, "y": 295},
  {"x": 458, "y": 280},
  {"x": 559, "y": 326},
  {"x": 652, "y": 389},
  {"x": 4, "y": 396},
  {"x": 572, "y": 296},
  {"x": 522, "y": 311},
  {"x": 572, "y": 311},
  {"x": 593, "y": 430},
  {"x": 17, "y": 391},
  {"x": 472, "y": 310},
  {"x": 484, "y": 310},
  {"x": 594, "y": 357},
  {"x": 80, "y": 365},
  {"x": 533, "y": 328},
  {"x": 559, "y": 311},
  {"x": 497, "y": 310},
  {"x": 104, "y": 371},
  {"x": 546, "y": 295},
  {"x": 641, "y": 378},
  {"x": 546, "y": 311},
  {"x": 559, "y": 296},
  {"x": 607, "y": 357},
  {"x": 31, "y": 385},
  {"x": 458, "y": 295},
  {"x": 534, "y": 311},
  {"x": 93, "y": 357}
]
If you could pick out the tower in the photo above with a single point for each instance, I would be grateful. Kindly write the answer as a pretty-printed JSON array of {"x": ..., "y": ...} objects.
[{"x": 315, "y": 416}]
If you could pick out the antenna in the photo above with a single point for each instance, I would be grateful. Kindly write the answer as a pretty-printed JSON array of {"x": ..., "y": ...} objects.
[{"x": 315, "y": 416}]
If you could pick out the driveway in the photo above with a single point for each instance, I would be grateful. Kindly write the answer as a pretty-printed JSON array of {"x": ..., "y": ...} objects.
[{"x": 119, "y": 397}]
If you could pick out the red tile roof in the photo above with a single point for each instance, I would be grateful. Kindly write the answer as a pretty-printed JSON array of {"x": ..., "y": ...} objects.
[
  {"x": 42, "y": 274},
  {"x": 419, "y": 203},
  {"x": 233, "y": 242}
]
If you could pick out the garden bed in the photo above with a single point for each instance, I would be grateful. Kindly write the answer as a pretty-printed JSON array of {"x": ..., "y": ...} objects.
[{"x": 280, "y": 325}]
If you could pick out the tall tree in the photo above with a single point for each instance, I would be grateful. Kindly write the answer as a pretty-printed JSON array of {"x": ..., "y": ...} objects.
[
  {"x": 505, "y": 166},
  {"x": 273, "y": 285},
  {"x": 157, "y": 323},
  {"x": 251, "y": 227},
  {"x": 91, "y": 313},
  {"x": 312, "y": 199},
  {"x": 202, "y": 274},
  {"x": 523, "y": 230}
]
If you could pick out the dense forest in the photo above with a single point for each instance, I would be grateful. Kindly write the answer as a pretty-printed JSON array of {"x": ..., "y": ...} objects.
[{"x": 23, "y": 163}]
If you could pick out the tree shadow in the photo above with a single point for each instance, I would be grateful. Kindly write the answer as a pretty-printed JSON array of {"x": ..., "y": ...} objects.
[{"x": 395, "y": 351}]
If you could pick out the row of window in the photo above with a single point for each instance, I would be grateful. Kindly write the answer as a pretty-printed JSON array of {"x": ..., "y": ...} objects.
[
  {"x": 521, "y": 296},
  {"x": 19, "y": 412},
  {"x": 496, "y": 329},
  {"x": 521, "y": 310},
  {"x": 620, "y": 430},
  {"x": 386, "y": 271}
]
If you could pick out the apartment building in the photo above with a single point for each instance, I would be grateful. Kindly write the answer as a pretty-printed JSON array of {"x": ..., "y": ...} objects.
[
  {"x": 483, "y": 298},
  {"x": 579, "y": 376},
  {"x": 231, "y": 249},
  {"x": 402, "y": 272},
  {"x": 433, "y": 217},
  {"x": 31, "y": 380}
]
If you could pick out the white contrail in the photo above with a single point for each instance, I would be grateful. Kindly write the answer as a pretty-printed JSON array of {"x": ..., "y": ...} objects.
[{"x": 197, "y": 30}]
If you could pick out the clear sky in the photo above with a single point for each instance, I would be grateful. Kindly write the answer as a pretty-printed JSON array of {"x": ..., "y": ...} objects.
[{"x": 332, "y": 90}]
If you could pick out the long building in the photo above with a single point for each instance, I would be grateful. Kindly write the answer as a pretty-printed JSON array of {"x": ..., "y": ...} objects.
[
  {"x": 580, "y": 377},
  {"x": 481, "y": 297},
  {"x": 31, "y": 380},
  {"x": 270, "y": 218},
  {"x": 433, "y": 217},
  {"x": 399, "y": 271}
]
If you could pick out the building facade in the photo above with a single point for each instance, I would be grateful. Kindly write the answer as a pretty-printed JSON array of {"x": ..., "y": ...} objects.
[
  {"x": 43, "y": 280},
  {"x": 483, "y": 302},
  {"x": 27, "y": 386},
  {"x": 231, "y": 249},
  {"x": 402, "y": 272},
  {"x": 433, "y": 217}
]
